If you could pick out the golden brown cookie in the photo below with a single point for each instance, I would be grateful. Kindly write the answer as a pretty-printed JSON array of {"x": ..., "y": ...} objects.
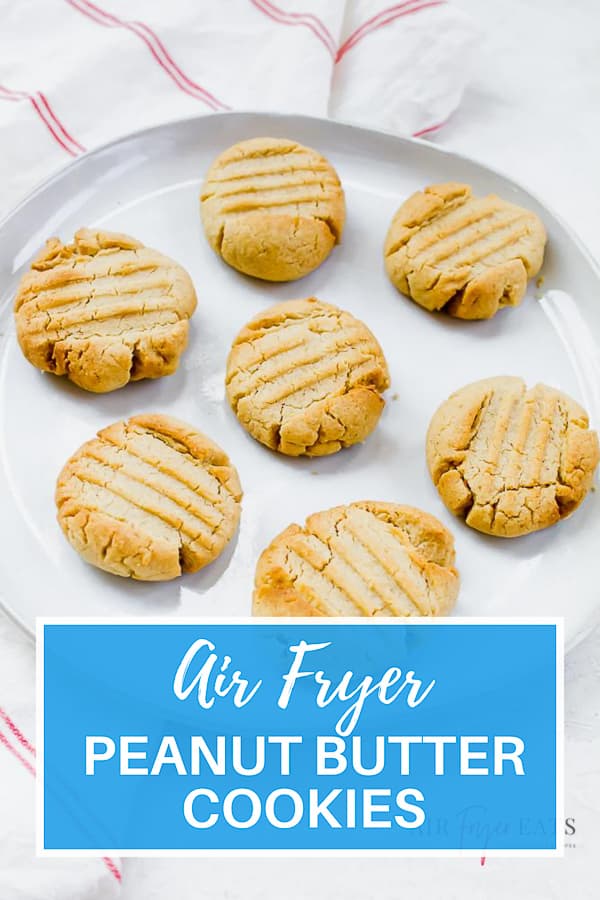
[
  {"x": 272, "y": 208},
  {"x": 365, "y": 559},
  {"x": 305, "y": 378},
  {"x": 149, "y": 498},
  {"x": 511, "y": 460},
  {"x": 104, "y": 310},
  {"x": 466, "y": 255}
]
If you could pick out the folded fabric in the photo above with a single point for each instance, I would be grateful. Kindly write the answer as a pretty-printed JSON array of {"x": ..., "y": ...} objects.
[
  {"x": 75, "y": 74},
  {"x": 404, "y": 68}
]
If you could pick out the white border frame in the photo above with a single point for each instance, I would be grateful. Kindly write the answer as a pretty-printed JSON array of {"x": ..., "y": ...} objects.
[{"x": 41, "y": 851}]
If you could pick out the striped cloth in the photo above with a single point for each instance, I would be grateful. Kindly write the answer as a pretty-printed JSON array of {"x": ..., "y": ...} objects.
[
  {"x": 22, "y": 877},
  {"x": 75, "y": 73}
]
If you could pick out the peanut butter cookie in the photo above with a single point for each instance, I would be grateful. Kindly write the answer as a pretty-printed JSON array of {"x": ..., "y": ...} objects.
[
  {"x": 272, "y": 208},
  {"x": 365, "y": 559},
  {"x": 149, "y": 498},
  {"x": 468, "y": 256},
  {"x": 305, "y": 378},
  {"x": 511, "y": 460},
  {"x": 104, "y": 310}
]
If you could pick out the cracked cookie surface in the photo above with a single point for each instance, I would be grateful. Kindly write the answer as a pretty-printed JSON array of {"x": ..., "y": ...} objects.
[
  {"x": 364, "y": 559},
  {"x": 272, "y": 208},
  {"x": 103, "y": 311},
  {"x": 149, "y": 498},
  {"x": 511, "y": 460},
  {"x": 306, "y": 378},
  {"x": 468, "y": 256}
]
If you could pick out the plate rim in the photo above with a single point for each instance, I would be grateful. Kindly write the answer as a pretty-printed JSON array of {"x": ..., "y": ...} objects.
[
  {"x": 250, "y": 115},
  {"x": 71, "y": 165}
]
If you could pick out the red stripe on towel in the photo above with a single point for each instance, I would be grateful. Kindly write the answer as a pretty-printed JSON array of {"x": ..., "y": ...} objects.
[
  {"x": 385, "y": 17},
  {"x": 430, "y": 129},
  {"x": 58, "y": 123},
  {"x": 20, "y": 737},
  {"x": 156, "y": 48},
  {"x": 308, "y": 20},
  {"x": 14, "y": 730},
  {"x": 112, "y": 868},
  {"x": 6, "y": 743},
  {"x": 43, "y": 109}
]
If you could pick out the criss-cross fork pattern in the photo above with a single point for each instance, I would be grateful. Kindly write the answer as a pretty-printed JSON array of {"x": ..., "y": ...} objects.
[
  {"x": 180, "y": 500},
  {"x": 366, "y": 559},
  {"x": 104, "y": 302},
  {"x": 509, "y": 459},
  {"x": 286, "y": 369}
]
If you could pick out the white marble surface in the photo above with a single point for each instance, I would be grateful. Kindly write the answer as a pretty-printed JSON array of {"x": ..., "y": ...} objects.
[{"x": 532, "y": 110}]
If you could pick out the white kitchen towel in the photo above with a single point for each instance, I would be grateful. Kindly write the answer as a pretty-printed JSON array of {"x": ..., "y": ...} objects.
[
  {"x": 401, "y": 68},
  {"x": 22, "y": 876},
  {"x": 75, "y": 74}
]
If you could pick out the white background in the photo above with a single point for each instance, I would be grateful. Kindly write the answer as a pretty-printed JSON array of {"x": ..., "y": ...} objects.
[{"x": 533, "y": 111}]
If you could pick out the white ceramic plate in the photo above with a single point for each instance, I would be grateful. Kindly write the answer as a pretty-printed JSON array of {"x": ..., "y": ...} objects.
[{"x": 147, "y": 185}]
